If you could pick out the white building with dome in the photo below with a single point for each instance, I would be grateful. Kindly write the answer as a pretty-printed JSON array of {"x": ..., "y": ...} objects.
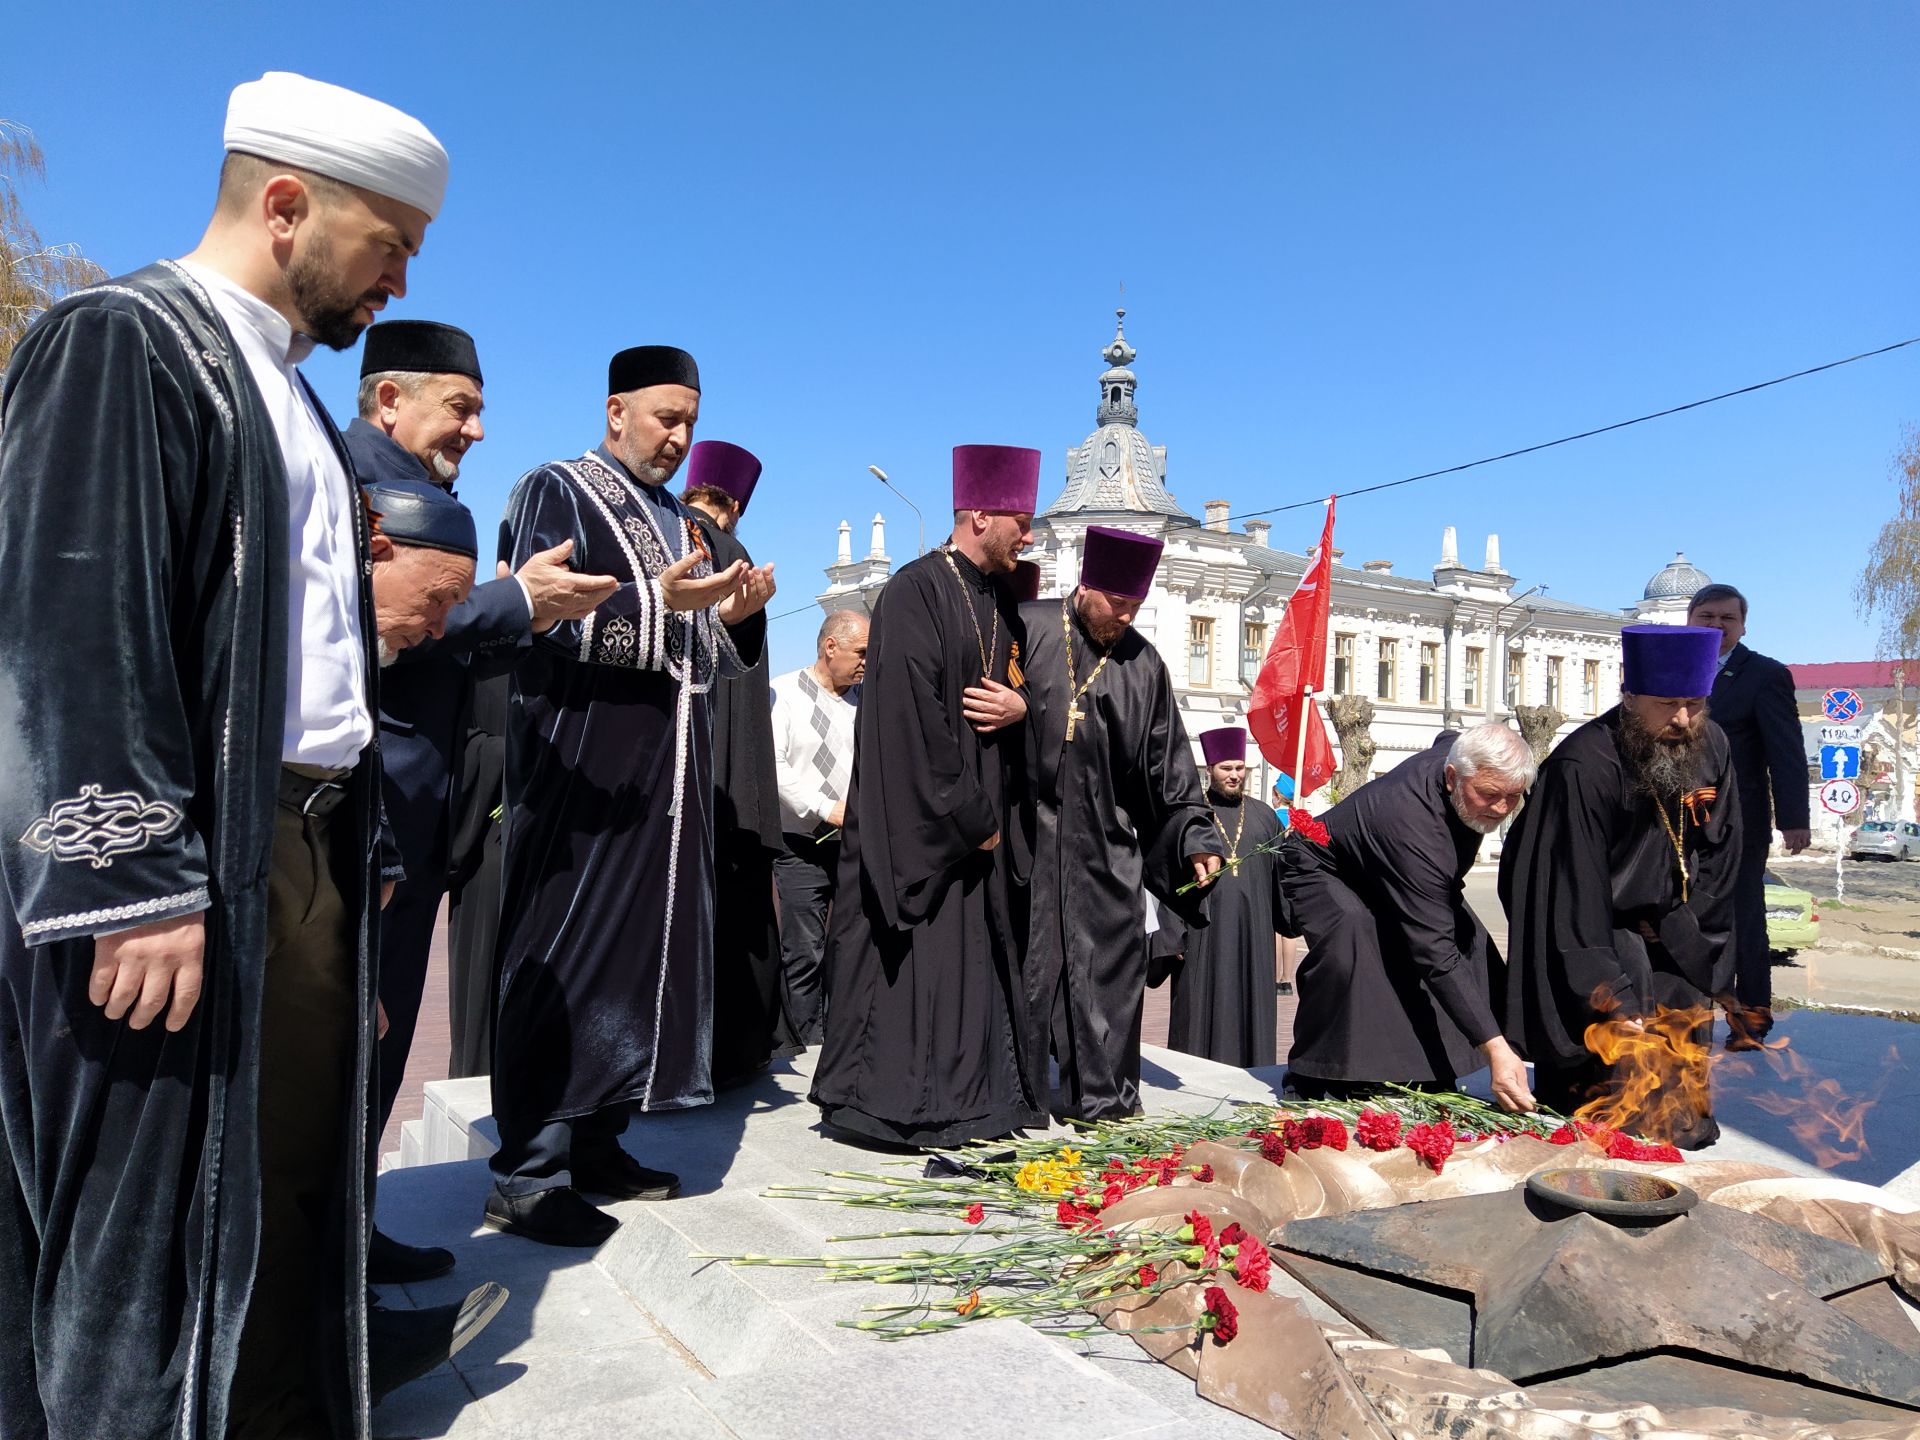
[{"x": 1433, "y": 651}]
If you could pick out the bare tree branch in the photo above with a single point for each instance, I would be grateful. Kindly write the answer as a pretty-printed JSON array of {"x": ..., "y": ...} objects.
[
  {"x": 1889, "y": 583},
  {"x": 34, "y": 272}
]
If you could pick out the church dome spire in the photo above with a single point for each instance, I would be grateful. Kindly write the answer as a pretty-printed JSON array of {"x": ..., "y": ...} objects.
[{"x": 1116, "y": 385}]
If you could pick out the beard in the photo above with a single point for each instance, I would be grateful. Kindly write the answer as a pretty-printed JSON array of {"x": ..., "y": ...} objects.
[
  {"x": 1664, "y": 769},
  {"x": 445, "y": 470},
  {"x": 1001, "y": 552},
  {"x": 1105, "y": 629},
  {"x": 327, "y": 311},
  {"x": 387, "y": 653},
  {"x": 642, "y": 466}
]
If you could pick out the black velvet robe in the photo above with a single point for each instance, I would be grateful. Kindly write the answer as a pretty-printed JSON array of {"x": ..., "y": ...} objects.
[
  {"x": 144, "y": 536},
  {"x": 1223, "y": 997},
  {"x": 1585, "y": 866},
  {"x": 746, "y": 837},
  {"x": 606, "y": 945},
  {"x": 1400, "y": 977},
  {"x": 473, "y": 883},
  {"x": 1116, "y": 811},
  {"x": 923, "y": 953}
]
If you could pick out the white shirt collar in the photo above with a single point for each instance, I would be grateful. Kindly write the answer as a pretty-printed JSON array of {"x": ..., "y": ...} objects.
[{"x": 272, "y": 328}]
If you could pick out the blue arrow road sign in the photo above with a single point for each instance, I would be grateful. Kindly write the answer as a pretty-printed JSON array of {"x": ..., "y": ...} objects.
[
  {"x": 1839, "y": 762},
  {"x": 1840, "y": 705}
]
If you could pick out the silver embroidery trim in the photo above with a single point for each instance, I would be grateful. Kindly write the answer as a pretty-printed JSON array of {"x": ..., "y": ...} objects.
[
  {"x": 589, "y": 474},
  {"x": 185, "y": 902},
  {"x": 586, "y": 635},
  {"x": 95, "y": 826}
]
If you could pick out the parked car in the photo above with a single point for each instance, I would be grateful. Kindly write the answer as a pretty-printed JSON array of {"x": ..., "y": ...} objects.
[
  {"x": 1792, "y": 922},
  {"x": 1886, "y": 839}
]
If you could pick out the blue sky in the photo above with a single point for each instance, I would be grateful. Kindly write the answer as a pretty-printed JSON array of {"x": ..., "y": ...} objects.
[{"x": 1358, "y": 241}]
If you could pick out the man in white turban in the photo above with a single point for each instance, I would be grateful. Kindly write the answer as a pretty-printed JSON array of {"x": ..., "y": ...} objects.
[{"x": 187, "y": 826}]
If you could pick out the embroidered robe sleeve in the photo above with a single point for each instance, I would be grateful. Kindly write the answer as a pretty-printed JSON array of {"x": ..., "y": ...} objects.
[
  {"x": 632, "y": 629},
  {"x": 97, "y": 475}
]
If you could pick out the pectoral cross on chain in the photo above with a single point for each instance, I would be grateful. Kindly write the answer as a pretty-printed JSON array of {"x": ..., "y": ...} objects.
[{"x": 1074, "y": 716}]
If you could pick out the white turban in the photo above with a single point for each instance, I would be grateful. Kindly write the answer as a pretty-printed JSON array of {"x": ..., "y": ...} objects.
[{"x": 340, "y": 134}]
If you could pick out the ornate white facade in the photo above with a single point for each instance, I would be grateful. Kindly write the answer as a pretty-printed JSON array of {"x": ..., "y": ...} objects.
[{"x": 1431, "y": 653}]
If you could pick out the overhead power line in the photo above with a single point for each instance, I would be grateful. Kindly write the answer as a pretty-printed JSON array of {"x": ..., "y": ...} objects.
[{"x": 1564, "y": 439}]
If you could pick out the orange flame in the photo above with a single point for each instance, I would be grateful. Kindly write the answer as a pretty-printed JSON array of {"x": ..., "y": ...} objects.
[
  {"x": 1828, "y": 1122},
  {"x": 1659, "y": 1086}
]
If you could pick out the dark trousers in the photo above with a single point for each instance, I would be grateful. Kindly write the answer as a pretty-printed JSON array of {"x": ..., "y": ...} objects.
[
  {"x": 804, "y": 878},
  {"x": 308, "y": 1026},
  {"x": 1753, "y": 956},
  {"x": 406, "y": 943},
  {"x": 535, "y": 1158}
]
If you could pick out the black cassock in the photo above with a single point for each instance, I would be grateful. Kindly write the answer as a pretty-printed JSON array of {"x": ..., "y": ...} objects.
[
  {"x": 1587, "y": 864},
  {"x": 746, "y": 837},
  {"x": 144, "y": 537},
  {"x": 1223, "y": 997},
  {"x": 473, "y": 880},
  {"x": 606, "y": 944},
  {"x": 1399, "y": 979},
  {"x": 1117, "y": 810},
  {"x": 923, "y": 955}
]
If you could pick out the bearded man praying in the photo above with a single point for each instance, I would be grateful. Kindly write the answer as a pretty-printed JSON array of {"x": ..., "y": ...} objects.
[
  {"x": 1400, "y": 980},
  {"x": 1619, "y": 884}
]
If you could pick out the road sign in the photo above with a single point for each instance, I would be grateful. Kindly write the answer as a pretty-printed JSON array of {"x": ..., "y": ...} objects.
[
  {"x": 1840, "y": 797},
  {"x": 1839, "y": 762},
  {"x": 1841, "y": 705},
  {"x": 1841, "y": 734}
]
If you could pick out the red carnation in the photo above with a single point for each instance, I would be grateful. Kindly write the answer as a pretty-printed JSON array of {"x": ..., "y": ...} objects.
[
  {"x": 1252, "y": 1267},
  {"x": 1565, "y": 1135},
  {"x": 1305, "y": 825},
  {"x": 1076, "y": 1217},
  {"x": 1114, "y": 1194},
  {"x": 1202, "y": 1228},
  {"x": 1203, "y": 1173},
  {"x": 1148, "y": 1276},
  {"x": 1378, "y": 1129},
  {"x": 1233, "y": 1234},
  {"x": 1222, "y": 1317},
  {"x": 1327, "y": 1132},
  {"x": 1432, "y": 1142},
  {"x": 1273, "y": 1148},
  {"x": 976, "y": 1212}
]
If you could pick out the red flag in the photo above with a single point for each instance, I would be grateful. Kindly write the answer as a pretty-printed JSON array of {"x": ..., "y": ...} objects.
[{"x": 1297, "y": 661}]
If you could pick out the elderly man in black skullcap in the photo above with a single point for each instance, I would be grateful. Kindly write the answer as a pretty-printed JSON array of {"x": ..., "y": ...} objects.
[
  {"x": 606, "y": 946},
  {"x": 420, "y": 404}
]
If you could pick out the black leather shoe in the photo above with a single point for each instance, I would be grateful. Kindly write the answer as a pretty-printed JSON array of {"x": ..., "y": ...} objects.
[
  {"x": 391, "y": 1263},
  {"x": 551, "y": 1217},
  {"x": 403, "y": 1345},
  {"x": 619, "y": 1176}
]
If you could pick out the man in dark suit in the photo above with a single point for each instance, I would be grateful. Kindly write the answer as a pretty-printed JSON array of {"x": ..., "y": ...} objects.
[
  {"x": 1752, "y": 701},
  {"x": 420, "y": 402}
]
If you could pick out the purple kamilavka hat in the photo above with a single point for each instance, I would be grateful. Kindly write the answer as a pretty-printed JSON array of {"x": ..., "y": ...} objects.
[
  {"x": 995, "y": 477},
  {"x": 1675, "y": 662},
  {"x": 1229, "y": 742},
  {"x": 725, "y": 467},
  {"x": 1119, "y": 562}
]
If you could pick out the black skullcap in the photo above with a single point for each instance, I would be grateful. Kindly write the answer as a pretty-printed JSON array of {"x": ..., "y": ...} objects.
[
  {"x": 420, "y": 347},
  {"x": 647, "y": 365},
  {"x": 413, "y": 512}
]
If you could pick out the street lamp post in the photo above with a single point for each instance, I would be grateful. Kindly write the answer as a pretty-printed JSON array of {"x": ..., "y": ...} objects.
[{"x": 881, "y": 476}]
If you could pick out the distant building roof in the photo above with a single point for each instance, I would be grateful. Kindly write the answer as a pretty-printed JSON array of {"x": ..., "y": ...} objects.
[
  {"x": 1677, "y": 581},
  {"x": 1852, "y": 674}
]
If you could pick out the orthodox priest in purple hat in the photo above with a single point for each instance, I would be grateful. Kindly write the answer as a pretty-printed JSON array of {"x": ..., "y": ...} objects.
[
  {"x": 606, "y": 943},
  {"x": 1118, "y": 809},
  {"x": 1223, "y": 996},
  {"x": 924, "y": 1000},
  {"x": 746, "y": 798},
  {"x": 1618, "y": 881}
]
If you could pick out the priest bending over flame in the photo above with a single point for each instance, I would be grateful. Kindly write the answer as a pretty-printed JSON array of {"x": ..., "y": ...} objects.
[{"x": 1618, "y": 882}]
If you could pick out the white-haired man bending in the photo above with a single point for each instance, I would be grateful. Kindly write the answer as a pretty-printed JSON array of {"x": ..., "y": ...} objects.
[{"x": 1399, "y": 974}]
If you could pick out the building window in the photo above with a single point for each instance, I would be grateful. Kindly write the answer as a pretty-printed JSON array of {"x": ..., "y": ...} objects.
[
  {"x": 1389, "y": 679},
  {"x": 1253, "y": 651},
  {"x": 1553, "y": 681},
  {"x": 1199, "y": 651},
  {"x": 1429, "y": 674},
  {"x": 1476, "y": 661},
  {"x": 1343, "y": 664},
  {"x": 1590, "y": 688},
  {"x": 1516, "y": 678}
]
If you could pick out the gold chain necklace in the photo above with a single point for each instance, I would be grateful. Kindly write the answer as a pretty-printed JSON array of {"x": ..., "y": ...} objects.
[
  {"x": 1074, "y": 713},
  {"x": 1676, "y": 838},
  {"x": 989, "y": 649},
  {"x": 1233, "y": 844}
]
